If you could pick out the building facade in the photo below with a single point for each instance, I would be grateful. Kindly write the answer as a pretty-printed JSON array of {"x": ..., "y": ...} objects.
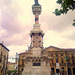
[
  {"x": 11, "y": 66},
  {"x": 64, "y": 57},
  {"x": 4, "y": 52}
]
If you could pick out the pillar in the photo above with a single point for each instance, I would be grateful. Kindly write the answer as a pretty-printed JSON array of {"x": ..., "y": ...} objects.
[
  {"x": 65, "y": 71},
  {"x": 72, "y": 70}
]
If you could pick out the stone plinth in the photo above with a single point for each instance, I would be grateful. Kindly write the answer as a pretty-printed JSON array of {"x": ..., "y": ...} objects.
[
  {"x": 36, "y": 70},
  {"x": 44, "y": 65}
]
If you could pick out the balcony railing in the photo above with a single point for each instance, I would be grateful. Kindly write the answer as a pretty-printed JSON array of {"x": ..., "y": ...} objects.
[
  {"x": 62, "y": 64},
  {"x": 53, "y": 64},
  {"x": 68, "y": 64},
  {"x": 72, "y": 64}
]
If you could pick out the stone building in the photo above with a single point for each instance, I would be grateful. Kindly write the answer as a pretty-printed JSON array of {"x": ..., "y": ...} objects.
[
  {"x": 44, "y": 61},
  {"x": 65, "y": 58},
  {"x": 11, "y": 66},
  {"x": 3, "y": 59}
]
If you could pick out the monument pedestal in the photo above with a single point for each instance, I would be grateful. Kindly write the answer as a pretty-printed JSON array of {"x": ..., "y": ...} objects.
[
  {"x": 37, "y": 64},
  {"x": 37, "y": 70}
]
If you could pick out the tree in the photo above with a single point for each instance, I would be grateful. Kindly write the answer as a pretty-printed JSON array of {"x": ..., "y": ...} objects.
[{"x": 66, "y": 5}]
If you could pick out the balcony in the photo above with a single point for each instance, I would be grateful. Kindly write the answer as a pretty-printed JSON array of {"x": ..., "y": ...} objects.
[
  {"x": 62, "y": 64},
  {"x": 72, "y": 64},
  {"x": 53, "y": 64},
  {"x": 68, "y": 64}
]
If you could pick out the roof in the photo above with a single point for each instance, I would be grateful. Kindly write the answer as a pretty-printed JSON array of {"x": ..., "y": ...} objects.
[
  {"x": 69, "y": 49},
  {"x": 24, "y": 52},
  {"x": 53, "y": 47},
  {"x": 66, "y": 49},
  {"x": 4, "y": 46}
]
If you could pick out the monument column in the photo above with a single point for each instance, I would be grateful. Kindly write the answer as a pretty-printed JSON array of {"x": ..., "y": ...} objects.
[
  {"x": 37, "y": 63},
  {"x": 36, "y": 33}
]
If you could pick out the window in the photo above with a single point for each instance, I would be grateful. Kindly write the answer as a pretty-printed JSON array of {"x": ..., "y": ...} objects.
[
  {"x": 56, "y": 60},
  {"x": 39, "y": 41},
  {"x": 0, "y": 67},
  {"x": 73, "y": 61},
  {"x": 4, "y": 56},
  {"x": 57, "y": 55},
  {"x": 72, "y": 55},
  {"x": 51, "y": 55},
  {"x": 39, "y": 60},
  {"x": 1, "y": 54},
  {"x": 61, "y": 54},
  {"x": 61, "y": 60},
  {"x": 1, "y": 57},
  {"x": 23, "y": 62}
]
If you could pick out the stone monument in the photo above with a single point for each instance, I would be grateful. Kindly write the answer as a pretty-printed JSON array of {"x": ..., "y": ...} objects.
[{"x": 37, "y": 62}]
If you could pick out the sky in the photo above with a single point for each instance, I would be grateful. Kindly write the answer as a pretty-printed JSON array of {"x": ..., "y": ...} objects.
[{"x": 17, "y": 19}]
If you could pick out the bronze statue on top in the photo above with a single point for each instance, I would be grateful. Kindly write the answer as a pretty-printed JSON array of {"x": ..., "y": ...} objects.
[{"x": 36, "y": 3}]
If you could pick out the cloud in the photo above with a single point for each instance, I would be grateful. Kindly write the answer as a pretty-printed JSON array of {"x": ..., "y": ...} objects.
[
  {"x": 18, "y": 49},
  {"x": 69, "y": 34},
  {"x": 59, "y": 23},
  {"x": 12, "y": 27},
  {"x": 62, "y": 40},
  {"x": 17, "y": 19}
]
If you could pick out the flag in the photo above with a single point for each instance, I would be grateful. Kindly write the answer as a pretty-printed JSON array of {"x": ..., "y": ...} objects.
[{"x": 57, "y": 66}]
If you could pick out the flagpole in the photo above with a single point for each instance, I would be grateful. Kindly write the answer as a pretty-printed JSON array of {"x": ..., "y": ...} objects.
[{"x": 66, "y": 66}]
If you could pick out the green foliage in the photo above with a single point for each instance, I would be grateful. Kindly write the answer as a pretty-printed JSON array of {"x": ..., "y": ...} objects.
[
  {"x": 10, "y": 71},
  {"x": 74, "y": 22},
  {"x": 66, "y": 5}
]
